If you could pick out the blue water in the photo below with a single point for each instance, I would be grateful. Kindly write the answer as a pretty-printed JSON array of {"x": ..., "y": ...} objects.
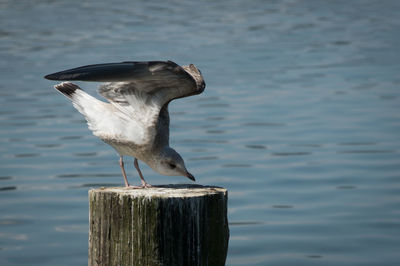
[{"x": 300, "y": 121}]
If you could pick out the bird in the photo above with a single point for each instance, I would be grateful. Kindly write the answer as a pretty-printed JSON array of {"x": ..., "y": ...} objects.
[{"x": 135, "y": 119}]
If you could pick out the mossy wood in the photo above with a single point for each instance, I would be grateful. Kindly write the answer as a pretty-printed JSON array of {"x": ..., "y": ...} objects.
[{"x": 164, "y": 225}]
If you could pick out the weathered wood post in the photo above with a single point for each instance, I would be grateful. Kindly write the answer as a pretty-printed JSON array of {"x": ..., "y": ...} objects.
[{"x": 164, "y": 225}]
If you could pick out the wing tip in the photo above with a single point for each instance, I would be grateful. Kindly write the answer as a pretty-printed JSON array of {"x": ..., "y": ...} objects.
[
  {"x": 51, "y": 77},
  {"x": 67, "y": 88},
  {"x": 63, "y": 76}
]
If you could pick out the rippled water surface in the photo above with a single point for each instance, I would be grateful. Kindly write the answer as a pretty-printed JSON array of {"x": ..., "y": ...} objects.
[{"x": 300, "y": 120}]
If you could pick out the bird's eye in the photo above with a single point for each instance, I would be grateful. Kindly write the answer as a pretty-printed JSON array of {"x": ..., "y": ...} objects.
[{"x": 172, "y": 165}]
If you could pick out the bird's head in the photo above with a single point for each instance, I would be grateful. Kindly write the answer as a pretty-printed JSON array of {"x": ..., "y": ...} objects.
[{"x": 171, "y": 163}]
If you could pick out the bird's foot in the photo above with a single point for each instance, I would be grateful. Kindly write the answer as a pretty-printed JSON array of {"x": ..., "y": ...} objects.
[
  {"x": 145, "y": 185},
  {"x": 133, "y": 187}
]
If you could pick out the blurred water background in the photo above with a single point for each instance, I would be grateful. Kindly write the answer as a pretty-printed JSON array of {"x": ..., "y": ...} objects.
[{"x": 299, "y": 120}]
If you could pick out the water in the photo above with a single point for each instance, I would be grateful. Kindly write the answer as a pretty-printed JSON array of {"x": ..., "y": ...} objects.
[{"x": 300, "y": 120}]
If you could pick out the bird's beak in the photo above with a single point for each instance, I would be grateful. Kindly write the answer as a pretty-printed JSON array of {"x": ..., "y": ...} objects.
[{"x": 190, "y": 176}]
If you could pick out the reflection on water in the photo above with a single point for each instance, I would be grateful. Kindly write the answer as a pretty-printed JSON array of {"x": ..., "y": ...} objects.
[
  {"x": 346, "y": 187},
  {"x": 215, "y": 131},
  {"x": 282, "y": 206},
  {"x": 229, "y": 165},
  {"x": 86, "y": 154},
  {"x": 205, "y": 141},
  {"x": 14, "y": 222},
  {"x": 356, "y": 143},
  {"x": 70, "y": 137},
  {"x": 215, "y": 118},
  {"x": 24, "y": 155},
  {"x": 8, "y": 188},
  {"x": 368, "y": 151},
  {"x": 261, "y": 124},
  {"x": 96, "y": 185},
  {"x": 290, "y": 153},
  {"x": 259, "y": 147},
  {"x": 50, "y": 145},
  {"x": 87, "y": 175},
  {"x": 299, "y": 120},
  {"x": 202, "y": 158}
]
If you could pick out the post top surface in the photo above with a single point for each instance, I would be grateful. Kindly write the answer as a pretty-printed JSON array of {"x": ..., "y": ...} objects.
[{"x": 167, "y": 191}]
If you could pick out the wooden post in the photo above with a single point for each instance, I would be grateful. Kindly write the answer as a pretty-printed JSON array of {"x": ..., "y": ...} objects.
[{"x": 163, "y": 225}]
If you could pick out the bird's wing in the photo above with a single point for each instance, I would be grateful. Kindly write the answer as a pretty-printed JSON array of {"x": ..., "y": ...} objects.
[
  {"x": 163, "y": 79},
  {"x": 162, "y": 128},
  {"x": 141, "y": 90}
]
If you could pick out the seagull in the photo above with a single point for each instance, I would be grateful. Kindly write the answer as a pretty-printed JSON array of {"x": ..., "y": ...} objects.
[{"x": 135, "y": 120}]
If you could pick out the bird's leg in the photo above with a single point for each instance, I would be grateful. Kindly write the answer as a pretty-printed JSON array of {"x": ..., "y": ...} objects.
[
  {"x": 121, "y": 164},
  {"x": 144, "y": 183}
]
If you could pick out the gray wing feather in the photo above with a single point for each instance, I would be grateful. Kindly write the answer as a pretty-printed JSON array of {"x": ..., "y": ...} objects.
[
  {"x": 163, "y": 80},
  {"x": 162, "y": 128}
]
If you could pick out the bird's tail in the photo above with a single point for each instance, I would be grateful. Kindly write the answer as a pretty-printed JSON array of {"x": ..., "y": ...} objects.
[
  {"x": 90, "y": 107},
  {"x": 67, "y": 88}
]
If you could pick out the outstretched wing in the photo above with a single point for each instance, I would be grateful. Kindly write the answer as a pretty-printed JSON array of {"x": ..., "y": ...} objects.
[
  {"x": 163, "y": 79},
  {"x": 140, "y": 90}
]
